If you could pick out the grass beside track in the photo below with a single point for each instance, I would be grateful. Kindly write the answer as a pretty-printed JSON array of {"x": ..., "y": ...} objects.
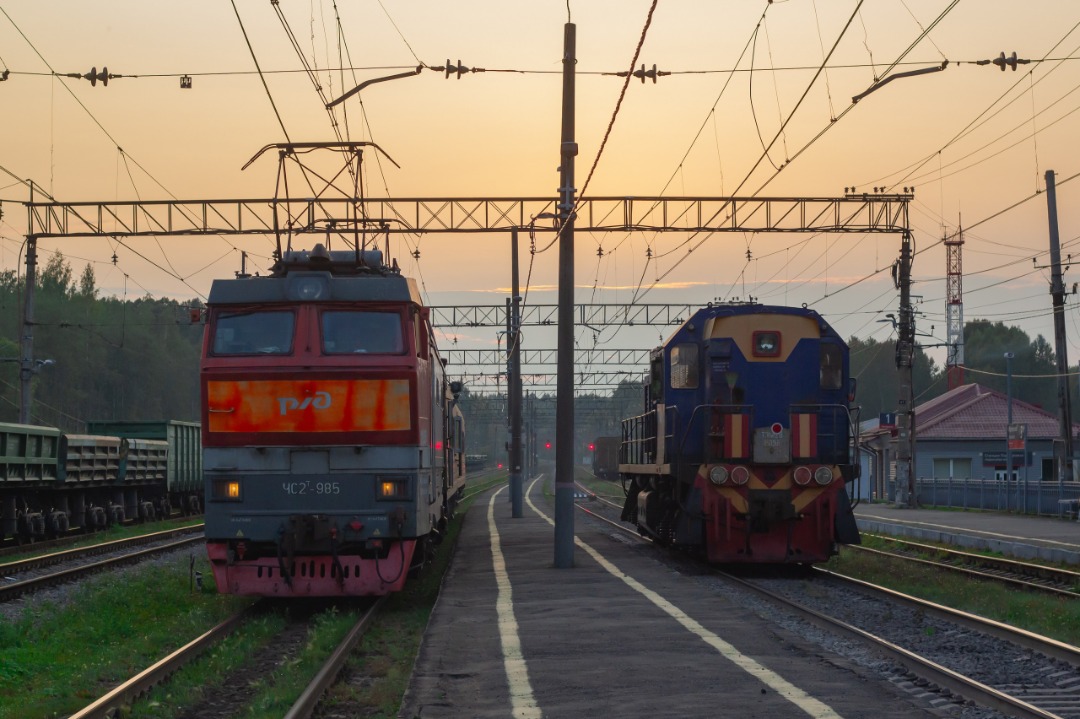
[
  {"x": 60, "y": 656},
  {"x": 1055, "y": 617}
]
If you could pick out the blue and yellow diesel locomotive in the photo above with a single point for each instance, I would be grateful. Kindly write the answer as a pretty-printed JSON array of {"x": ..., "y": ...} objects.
[
  {"x": 333, "y": 444},
  {"x": 748, "y": 439}
]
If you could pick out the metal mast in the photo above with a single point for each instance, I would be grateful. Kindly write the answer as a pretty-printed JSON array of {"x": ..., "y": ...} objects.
[
  {"x": 564, "y": 408},
  {"x": 954, "y": 309}
]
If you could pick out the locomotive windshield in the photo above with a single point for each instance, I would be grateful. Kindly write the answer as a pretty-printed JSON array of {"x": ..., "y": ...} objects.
[
  {"x": 347, "y": 332},
  {"x": 258, "y": 332}
]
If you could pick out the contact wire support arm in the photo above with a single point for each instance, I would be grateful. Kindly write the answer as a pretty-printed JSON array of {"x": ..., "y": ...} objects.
[{"x": 372, "y": 81}]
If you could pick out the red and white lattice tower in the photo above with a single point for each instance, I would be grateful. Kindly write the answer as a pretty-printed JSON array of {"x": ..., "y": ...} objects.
[{"x": 954, "y": 310}]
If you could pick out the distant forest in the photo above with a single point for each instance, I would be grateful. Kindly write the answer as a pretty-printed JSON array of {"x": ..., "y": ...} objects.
[
  {"x": 139, "y": 360},
  {"x": 112, "y": 359}
]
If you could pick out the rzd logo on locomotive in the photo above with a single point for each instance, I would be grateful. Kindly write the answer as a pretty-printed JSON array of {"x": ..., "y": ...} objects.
[{"x": 321, "y": 400}]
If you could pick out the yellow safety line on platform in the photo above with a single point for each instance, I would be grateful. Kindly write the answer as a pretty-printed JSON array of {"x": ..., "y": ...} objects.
[
  {"x": 522, "y": 700},
  {"x": 795, "y": 695}
]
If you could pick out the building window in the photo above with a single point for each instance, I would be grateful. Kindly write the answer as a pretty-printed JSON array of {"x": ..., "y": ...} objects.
[{"x": 952, "y": 468}]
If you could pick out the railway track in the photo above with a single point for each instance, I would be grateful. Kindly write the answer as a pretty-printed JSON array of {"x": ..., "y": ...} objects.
[
  {"x": 305, "y": 705},
  {"x": 119, "y": 699},
  {"x": 486, "y": 483},
  {"x": 1024, "y": 575},
  {"x": 994, "y": 665},
  {"x": 163, "y": 542},
  {"x": 14, "y": 549},
  {"x": 113, "y": 701}
]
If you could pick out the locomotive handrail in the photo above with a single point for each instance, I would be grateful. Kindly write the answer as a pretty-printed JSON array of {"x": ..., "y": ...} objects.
[
  {"x": 837, "y": 409},
  {"x": 724, "y": 408},
  {"x": 638, "y": 432}
]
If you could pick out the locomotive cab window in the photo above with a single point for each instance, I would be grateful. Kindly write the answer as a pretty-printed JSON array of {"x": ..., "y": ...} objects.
[
  {"x": 361, "y": 332},
  {"x": 248, "y": 333},
  {"x": 766, "y": 344},
  {"x": 832, "y": 369},
  {"x": 684, "y": 366}
]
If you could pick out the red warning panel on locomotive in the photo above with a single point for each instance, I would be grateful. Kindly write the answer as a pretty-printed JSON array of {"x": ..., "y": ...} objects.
[{"x": 359, "y": 405}]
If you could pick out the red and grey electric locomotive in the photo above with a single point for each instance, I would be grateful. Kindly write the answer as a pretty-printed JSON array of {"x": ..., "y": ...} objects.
[
  {"x": 333, "y": 444},
  {"x": 748, "y": 440}
]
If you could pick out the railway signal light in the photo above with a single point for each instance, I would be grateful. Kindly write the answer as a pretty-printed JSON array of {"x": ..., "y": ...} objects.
[
  {"x": 547, "y": 445},
  {"x": 592, "y": 446}
]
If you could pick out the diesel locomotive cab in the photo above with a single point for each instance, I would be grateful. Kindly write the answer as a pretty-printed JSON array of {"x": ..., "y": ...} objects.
[{"x": 328, "y": 428}]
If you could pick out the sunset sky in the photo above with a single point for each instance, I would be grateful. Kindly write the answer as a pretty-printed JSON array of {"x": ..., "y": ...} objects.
[{"x": 973, "y": 140}]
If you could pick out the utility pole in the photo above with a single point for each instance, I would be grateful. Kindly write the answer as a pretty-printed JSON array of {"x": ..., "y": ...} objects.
[
  {"x": 26, "y": 341},
  {"x": 1064, "y": 464},
  {"x": 514, "y": 384},
  {"x": 905, "y": 355},
  {"x": 954, "y": 309},
  {"x": 564, "y": 397}
]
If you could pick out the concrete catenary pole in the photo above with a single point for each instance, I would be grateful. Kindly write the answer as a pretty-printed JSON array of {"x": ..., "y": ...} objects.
[
  {"x": 905, "y": 356},
  {"x": 1063, "y": 470},
  {"x": 514, "y": 385},
  {"x": 26, "y": 341},
  {"x": 564, "y": 394}
]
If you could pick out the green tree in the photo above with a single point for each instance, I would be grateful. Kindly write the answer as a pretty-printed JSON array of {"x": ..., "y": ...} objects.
[
  {"x": 873, "y": 365},
  {"x": 1033, "y": 365}
]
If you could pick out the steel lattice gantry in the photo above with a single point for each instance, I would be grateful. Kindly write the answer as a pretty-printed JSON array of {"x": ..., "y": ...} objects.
[
  {"x": 591, "y": 315},
  {"x": 593, "y": 358},
  {"x": 591, "y": 379},
  {"x": 349, "y": 216}
]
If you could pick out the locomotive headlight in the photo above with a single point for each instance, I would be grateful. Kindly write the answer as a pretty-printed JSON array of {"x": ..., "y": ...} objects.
[
  {"x": 718, "y": 475},
  {"x": 392, "y": 488},
  {"x": 740, "y": 475},
  {"x": 803, "y": 475},
  {"x": 225, "y": 490},
  {"x": 823, "y": 476},
  {"x": 308, "y": 288}
]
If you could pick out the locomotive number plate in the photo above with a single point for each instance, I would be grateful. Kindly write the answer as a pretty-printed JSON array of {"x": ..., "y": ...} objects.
[{"x": 307, "y": 487}]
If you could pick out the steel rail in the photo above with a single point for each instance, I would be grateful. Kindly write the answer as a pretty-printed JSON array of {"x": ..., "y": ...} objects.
[
  {"x": 9, "y": 591},
  {"x": 968, "y": 571},
  {"x": 9, "y": 549},
  {"x": 933, "y": 672},
  {"x": 1022, "y": 637},
  {"x": 1064, "y": 577},
  {"x": 142, "y": 682},
  {"x": 305, "y": 705},
  {"x": 45, "y": 560}
]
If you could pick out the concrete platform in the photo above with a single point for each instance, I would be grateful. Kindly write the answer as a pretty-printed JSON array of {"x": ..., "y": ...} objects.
[
  {"x": 1024, "y": 537},
  {"x": 619, "y": 634}
]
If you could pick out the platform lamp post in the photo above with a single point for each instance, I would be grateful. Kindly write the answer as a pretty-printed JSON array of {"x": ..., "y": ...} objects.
[
  {"x": 1008, "y": 424},
  {"x": 27, "y": 369}
]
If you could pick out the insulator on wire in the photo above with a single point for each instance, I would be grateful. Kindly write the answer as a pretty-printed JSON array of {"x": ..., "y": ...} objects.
[
  {"x": 94, "y": 76},
  {"x": 642, "y": 73}
]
